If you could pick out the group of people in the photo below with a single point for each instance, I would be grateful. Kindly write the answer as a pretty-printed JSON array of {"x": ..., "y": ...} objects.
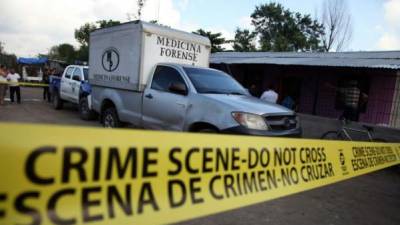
[
  {"x": 9, "y": 80},
  {"x": 353, "y": 99},
  {"x": 271, "y": 96}
]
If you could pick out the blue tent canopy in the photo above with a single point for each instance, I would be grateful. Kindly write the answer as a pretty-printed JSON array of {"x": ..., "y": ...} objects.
[{"x": 32, "y": 61}]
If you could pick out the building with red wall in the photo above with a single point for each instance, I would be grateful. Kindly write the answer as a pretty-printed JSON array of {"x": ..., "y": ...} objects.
[{"x": 314, "y": 79}]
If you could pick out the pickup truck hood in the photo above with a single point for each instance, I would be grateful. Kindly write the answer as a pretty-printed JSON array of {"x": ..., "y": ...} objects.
[{"x": 249, "y": 104}]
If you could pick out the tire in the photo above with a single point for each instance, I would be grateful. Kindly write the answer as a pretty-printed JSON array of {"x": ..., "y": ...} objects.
[
  {"x": 207, "y": 130},
  {"x": 110, "y": 119},
  {"x": 57, "y": 101},
  {"x": 84, "y": 111},
  {"x": 331, "y": 135},
  {"x": 380, "y": 140}
]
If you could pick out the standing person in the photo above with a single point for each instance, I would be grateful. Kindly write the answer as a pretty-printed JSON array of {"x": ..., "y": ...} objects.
[
  {"x": 270, "y": 95},
  {"x": 353, "y": 99},
  {"x": 289, "y": 102},
  {"x": 253, "y": 90},
  {"x": 13, "y": 78},
  {"x": 352, "y": 95},
  {"x": 3, "y": 84},
  {"x": 46, "y": 81}
]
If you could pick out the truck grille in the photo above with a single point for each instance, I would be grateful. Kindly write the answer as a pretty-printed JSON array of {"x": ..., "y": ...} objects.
[{"x": 281, "y": 123}]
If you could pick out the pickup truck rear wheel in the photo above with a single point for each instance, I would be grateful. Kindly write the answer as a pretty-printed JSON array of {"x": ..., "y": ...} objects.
[
  {"x": 84, "y": 111},
  {"x": 110, "y": 118},
  {"x": 57, "y": 101}
]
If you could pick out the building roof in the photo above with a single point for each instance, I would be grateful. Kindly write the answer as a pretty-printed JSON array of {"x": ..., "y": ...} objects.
[{"x": 381, "y": 60}]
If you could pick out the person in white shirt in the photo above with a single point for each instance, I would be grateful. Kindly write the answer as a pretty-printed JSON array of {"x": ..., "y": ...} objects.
[
  {"x": 13, "y": 78},
  {"x": 270, "y": 95}
]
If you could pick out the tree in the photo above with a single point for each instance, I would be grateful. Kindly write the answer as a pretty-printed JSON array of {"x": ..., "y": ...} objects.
[
  {"x": 244, "y": 41},
  {"x": 279, "y": 29},
  {"x": 82, "y": 35},
  {"x": 1, "y": 47},
  {"x": 140, "y": 5},
  {"x": 107, "y": 23},
  {"x": 64, "y": 52},
  {"x": 338, "y": 26},
  {"x": 83, "y": 53},
  {"x": 215, "y": 39}
]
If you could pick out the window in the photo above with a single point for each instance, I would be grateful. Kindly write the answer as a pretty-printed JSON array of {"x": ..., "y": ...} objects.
[
  {"x": 213, "y": 81},
  {"x": 164, "y": 76},
  {"x": 86, "y": 73},
  {"x": 77, "y": 74},
  {"x": 69, "y": 72}
]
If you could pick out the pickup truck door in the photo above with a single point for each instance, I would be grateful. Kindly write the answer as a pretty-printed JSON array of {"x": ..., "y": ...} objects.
[
  {"x": 164, "y": 107},
  {"x": 65, "y": 86},
  {"x": 77, "y": 77}
]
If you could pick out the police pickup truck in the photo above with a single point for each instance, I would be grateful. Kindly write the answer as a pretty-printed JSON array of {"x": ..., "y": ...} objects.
[{"x": 73, "y": 87}]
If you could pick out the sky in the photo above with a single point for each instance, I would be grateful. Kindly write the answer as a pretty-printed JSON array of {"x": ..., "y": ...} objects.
[{"x": 28, "y": 27}]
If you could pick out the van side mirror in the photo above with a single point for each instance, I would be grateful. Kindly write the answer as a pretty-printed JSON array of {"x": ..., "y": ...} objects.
[{"x": 178, "y": 88}]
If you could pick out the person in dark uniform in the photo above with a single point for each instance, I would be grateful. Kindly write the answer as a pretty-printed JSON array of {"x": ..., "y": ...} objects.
[{"x": 46, "y": 79}]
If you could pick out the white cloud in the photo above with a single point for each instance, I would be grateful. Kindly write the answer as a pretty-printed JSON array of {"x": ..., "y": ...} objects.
[
  {"x": 245, "y": 23},
  {"x": 390, "y": 39},
  {"x": 30, "y": 27},
  {"x": 392, "y": 13}
]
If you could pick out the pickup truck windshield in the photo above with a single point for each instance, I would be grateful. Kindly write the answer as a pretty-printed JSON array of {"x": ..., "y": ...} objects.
[
  {"x": 86, "y": 73},
  {"x": 212, "y": 81}
]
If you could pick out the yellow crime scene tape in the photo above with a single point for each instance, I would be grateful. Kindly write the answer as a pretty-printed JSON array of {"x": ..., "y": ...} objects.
[
  {"x": 70, "y": 175},
  {"x": 26, "y": 84}
]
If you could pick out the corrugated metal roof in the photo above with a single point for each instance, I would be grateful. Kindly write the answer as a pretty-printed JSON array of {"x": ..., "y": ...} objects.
[{"x": 381, "y": 60}]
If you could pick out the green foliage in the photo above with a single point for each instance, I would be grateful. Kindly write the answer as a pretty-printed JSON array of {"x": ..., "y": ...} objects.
[
  {"x": 64, "y": 52},
  {"x": 83, "y": 53},
  {"x": 280, "y": 29},
  {"x": 82, "y": 35},
  {"x": 244, "y": 41},
  {"x": 107, "y": 23},
  {"x": 215, "y": 39}
]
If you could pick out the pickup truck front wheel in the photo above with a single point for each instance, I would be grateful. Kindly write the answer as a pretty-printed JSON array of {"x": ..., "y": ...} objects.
[
  {"x": 110, "y": 118},
  {"x": 84, "y": 111},
  {"x": 208, "y": 130},
  {"x": 57, "y": 101}
]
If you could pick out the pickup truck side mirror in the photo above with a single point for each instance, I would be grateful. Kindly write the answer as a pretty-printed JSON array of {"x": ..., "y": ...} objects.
[
  {"x": 178, "y": 88},
  {"x": 76, "y": 78}
]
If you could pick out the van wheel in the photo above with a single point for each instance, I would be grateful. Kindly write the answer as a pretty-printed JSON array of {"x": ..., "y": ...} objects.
[
  {"x": 57, "y": 101},
  {"x": 110, "y": 118},
  {"x": 84, "y": 111}
]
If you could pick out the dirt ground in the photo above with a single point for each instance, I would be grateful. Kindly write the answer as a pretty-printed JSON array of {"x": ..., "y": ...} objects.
[{"x": 370, "y": 199}]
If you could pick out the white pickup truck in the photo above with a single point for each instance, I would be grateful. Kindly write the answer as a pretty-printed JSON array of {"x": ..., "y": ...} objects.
[{"x": 73, "y": 87}]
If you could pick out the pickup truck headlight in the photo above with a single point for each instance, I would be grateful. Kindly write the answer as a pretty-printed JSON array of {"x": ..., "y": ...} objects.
[{"x": 250, "y": 121}]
